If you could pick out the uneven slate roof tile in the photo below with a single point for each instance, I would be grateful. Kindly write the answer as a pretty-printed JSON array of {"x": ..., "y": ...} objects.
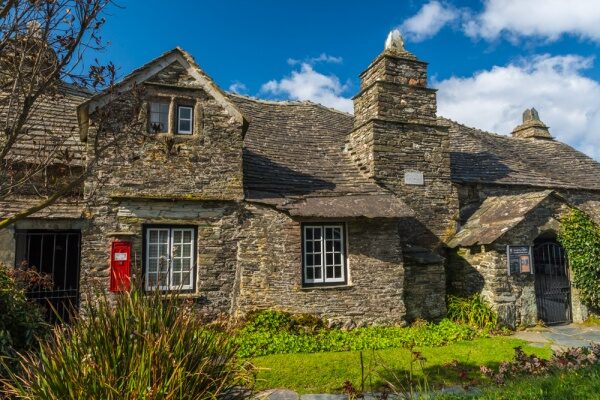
[
  {"x": 294, "y": 159},
  {"x": 481, "y": 157},
  {"x": 52, "y": 129},
  {"x": 496, "y": 216},
  {"x": 69, "y": 208}
]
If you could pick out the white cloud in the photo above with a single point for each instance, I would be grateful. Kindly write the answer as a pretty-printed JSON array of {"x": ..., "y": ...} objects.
[
  {"x": 547, "y": 19},
  {"x": 568, "y": 102},
  {"x": 430, "y": 19},
  {"x": 308, "y": 84},
  {"x": 512, "y": 19},
  {"x": 238, "y": 87},
  {"x": 323, "y": 57}
]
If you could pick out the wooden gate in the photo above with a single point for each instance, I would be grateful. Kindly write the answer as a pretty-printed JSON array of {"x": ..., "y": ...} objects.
[{"x": 552, "y": 283}]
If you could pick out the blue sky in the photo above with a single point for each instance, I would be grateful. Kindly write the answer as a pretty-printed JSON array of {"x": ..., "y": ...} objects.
[{"x": 489, "y": 59}]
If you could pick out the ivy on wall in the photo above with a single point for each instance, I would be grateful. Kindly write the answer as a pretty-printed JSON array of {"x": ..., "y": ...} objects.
[{"x": 580, "y": 237}]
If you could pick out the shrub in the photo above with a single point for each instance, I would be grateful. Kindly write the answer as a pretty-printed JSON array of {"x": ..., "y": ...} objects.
[
  {"x": 134, "y": 347},
  {"x": 473, "y": 311},
  {"x": 273, "y": 320},
  {"x": 22, "y": 321},
  {"x": 275, "y": 332},
  {"x": 580, "y": 237}
]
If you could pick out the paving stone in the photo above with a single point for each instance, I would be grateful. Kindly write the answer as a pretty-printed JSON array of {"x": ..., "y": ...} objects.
[
  {"x": 561, "y": 337},
  {"x": 278, "y": 394},
  {"x": 323, "y": 397}
]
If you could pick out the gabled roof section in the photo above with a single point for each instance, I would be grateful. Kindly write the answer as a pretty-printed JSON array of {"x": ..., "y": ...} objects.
[
  {"x": 481, "y": 157},
  {"x": 149, "y": 70},
  {"x": 496, "y": 216},
  {"x": 294, "y": 160}
]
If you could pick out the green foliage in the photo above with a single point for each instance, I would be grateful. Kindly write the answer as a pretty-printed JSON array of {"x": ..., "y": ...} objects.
[
  {"x": 22, "y": 322},
  {"x": 473, "y": 311},
  {"x": 272, "y": 320},
  {"x": 275, "y": 332},
  {"x": 134, "y": 347},
  {"x": 580, "y": 237}
]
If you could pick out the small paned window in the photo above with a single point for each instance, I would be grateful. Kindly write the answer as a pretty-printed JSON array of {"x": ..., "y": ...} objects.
[
  {"x": 323, "y": 254},
  {"x": 159, "y": 117},
  {"x": 170, "y": 258},
  {"x": 184, "y": 120}
]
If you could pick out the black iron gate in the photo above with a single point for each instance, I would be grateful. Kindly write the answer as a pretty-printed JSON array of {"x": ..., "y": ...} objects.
[
  {"x": 55, "y": 254},
  {"x": 552, "y": 283}
]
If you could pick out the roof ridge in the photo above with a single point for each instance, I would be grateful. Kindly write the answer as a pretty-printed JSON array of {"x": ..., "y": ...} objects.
[{"x": 287, "y": 102}]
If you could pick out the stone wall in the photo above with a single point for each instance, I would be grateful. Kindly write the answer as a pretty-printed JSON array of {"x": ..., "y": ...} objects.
[
  {"x": 7, "y": 246},
  {"x": 424, "y": 290},
  {"x": 395, "y": 133},
  {"x": 402, "y": 148},
  {"x": 167, "y": 178},
  {"x": 392, "y": 100},
  {"x": 483, "y": 269},
  {"x": 217, "y": 228},
  {"x": 270, "y": 268},
  {"x": 206, "y": 165}
]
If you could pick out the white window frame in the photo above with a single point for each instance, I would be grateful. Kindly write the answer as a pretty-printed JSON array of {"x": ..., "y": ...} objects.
[
  {"x": 324, "y": 280},
  {"x": 190, "y": 119},
  {"x": 169, "y": 258},
  {"x": 159, "y": 103}
]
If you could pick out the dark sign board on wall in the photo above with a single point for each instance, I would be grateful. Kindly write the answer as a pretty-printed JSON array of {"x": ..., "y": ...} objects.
[{"x": 519, "y": 260}]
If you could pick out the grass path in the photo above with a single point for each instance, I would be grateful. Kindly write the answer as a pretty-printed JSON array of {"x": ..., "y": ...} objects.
[{"x": 326, "y": 372}]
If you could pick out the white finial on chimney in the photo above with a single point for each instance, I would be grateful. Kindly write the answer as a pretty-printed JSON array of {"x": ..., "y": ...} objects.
[{"x": 395, "y": 42}]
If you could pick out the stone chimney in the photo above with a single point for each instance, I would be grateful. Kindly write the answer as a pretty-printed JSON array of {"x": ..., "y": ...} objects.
[
  {"x": 532, "y": 127},
  {"x": 397, "y": 139}
]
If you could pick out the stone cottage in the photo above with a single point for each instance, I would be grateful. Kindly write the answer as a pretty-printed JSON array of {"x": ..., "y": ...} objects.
[{"x": 371, "y": 218}]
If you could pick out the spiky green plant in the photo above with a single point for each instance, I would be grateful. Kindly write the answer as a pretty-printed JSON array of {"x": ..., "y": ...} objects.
[
  {"x": 472, "y": 310},
  {"x": 135, "y": 346}
]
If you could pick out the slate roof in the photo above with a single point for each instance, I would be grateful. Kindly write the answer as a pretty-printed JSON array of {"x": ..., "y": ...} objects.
[
  {"x": 294, "y": 159},
  {"x": 496, "y": 216},
  {"x": 52, "y": 131},
  {"x": 482, "y": 157},
  {"x": 65, "y": 208}
]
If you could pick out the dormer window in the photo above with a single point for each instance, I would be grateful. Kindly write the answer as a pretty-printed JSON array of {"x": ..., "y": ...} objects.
[
  {"x": 159, "y": 117},
  {"x": 184, "y": 120}
]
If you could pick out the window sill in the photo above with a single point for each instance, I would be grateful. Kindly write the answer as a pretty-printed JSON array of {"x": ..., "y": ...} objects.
[
  {"x": 190, "y": 293},
  {"x": 175, "y": 134},
  {"x": 327, "y": 287}
]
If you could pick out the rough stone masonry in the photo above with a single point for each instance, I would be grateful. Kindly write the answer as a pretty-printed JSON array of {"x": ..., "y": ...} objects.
[{"x": 371, "y": 218}]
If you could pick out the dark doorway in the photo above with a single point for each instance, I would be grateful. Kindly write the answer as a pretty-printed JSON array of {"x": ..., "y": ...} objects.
[
  {"x": 552, "y": 283},
  {"x": 57, "y": 255}
]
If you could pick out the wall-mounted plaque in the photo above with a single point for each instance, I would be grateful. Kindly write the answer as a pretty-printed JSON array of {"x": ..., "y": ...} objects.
[
  {"x": 414, "y": 178},
  {"x": 519, "y": 260}
]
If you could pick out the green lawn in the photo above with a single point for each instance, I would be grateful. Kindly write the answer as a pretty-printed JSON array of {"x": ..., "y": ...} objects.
[
  {"x": 572, "y": 385},
  {"x": 326, "y": 372}
]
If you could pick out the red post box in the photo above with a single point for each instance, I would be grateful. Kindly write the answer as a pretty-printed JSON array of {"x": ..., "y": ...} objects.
[{"x": 120, "y": 264}]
